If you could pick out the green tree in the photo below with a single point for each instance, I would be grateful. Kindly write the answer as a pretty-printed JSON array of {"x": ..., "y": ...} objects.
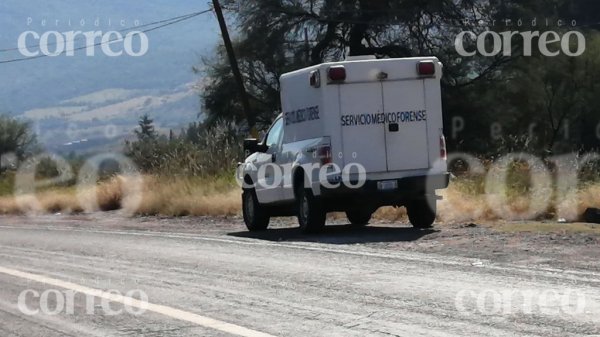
[
  {"x": 146, "y": 131},
  {"x": 144, "y": 150},
  {"x": 280, "y": 36},
  {"x": 16, "y": 137}
]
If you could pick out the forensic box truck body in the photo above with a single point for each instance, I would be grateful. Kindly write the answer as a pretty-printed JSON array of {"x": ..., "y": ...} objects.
[{"x": 353, "y": 136}]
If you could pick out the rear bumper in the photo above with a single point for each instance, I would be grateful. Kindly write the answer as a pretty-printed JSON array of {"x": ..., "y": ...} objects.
[{"x": 411, "y": 188}]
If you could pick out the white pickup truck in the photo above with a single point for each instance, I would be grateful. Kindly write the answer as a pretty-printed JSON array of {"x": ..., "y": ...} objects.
[{"x": 354, "y": 136}]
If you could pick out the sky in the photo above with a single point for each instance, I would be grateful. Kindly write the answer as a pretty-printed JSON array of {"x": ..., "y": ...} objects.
[{"x": 38, "y": 83}]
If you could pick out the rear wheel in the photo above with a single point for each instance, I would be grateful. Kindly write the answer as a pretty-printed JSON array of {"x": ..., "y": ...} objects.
[
  {"x": 311, "y": 214},
  {"x": 422, "y": 212},
  {"x": 256, "y": 216},
  {"x": 359, "y": 217}
]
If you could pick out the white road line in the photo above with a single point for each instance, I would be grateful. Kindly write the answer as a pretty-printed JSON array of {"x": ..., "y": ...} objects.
[{"x": 135, "y": 303}]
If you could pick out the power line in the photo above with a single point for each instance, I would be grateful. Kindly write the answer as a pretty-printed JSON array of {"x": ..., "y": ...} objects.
[
  {"x": 337, "y": 16},
  {"x": 169, "y": 22},
  {"x": 121, "y": 31}
]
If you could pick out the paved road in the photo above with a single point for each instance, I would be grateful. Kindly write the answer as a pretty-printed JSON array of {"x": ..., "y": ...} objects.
[{"x": 222, "y": 285}]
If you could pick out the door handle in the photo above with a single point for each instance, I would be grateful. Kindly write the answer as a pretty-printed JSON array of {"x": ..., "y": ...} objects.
[{"x": 273, "y": 157}]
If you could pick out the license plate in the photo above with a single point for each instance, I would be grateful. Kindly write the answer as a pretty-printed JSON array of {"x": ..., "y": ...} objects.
[{"x": 388, "y": 185}]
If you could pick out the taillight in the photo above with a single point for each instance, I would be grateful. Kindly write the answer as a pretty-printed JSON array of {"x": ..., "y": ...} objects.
[
  {"x": 443, "y": 150},
  {"x": 337, "y": 73},
  {"x": 426, "y": 68},
  {"x": 324, "y": 155}
]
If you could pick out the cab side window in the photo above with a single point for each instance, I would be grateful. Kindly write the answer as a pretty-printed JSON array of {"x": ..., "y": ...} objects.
[{"x": 275, "y": 134}]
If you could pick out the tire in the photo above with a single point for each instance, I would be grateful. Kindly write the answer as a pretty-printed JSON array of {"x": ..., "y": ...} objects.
[
  {"x": 311, "y": 215},
  {"x": 359, "y": 217},
  {"x": 421, "y": 214},
  {"x": 256, "y": 217}
]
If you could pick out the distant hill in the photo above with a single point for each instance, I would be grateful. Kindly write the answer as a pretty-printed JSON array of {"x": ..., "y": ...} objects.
[
  {"x": 90, "y": 93},
  {"x": 108, "y": 117}
]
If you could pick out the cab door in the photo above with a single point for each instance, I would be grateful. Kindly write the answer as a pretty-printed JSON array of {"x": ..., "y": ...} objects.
[{"x": 269, "y": 174}]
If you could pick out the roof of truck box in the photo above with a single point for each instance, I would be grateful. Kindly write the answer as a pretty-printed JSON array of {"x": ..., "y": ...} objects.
[{"x": 355, "y": 60}]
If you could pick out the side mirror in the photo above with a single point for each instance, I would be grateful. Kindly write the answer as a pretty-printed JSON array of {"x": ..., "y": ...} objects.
[{"x": 252, "y": 146}]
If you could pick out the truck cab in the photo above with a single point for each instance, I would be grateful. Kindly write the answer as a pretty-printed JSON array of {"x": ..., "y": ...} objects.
[{"x": 354, "y": 136}]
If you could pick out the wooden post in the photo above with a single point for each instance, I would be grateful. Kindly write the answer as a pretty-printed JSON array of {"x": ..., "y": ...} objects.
[{"x": 235, "y": 69}]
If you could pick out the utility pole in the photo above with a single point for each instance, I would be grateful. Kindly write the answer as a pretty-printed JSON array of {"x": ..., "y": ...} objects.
[{"x": 235, "y": 69}]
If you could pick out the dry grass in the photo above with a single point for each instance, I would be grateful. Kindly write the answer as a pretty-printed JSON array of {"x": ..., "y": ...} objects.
[
  {"x": 462, "y": 204},
  {"x": 590, "y": 197},
  {"x": 189, "y": 196},
  {"x": 391, "y": 214},
  {"x": 220, "y": 196},
  {"x": 159, "y": 196},
  {"x": 59, "y": 201},
  {"x": 8, "y": 206},
  {"x": 548, "y": 228}
]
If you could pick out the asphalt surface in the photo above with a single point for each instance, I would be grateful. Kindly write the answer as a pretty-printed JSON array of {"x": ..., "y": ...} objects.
[{"x": 219, "y": 283}]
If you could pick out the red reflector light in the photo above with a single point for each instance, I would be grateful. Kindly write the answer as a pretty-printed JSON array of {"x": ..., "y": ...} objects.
[
  {"x": 337, "y": 74},
  {"x": 426, "y": 68},
  {"x": 443, "y": 149}
]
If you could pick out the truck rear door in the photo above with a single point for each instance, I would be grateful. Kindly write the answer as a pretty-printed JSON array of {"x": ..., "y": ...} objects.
[
  {"x": 406, "y": 128},
  {"x": 384, "y": 125},
  {"x": 363, "y": 140}
]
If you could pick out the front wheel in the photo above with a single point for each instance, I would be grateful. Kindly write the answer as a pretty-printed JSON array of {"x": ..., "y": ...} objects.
[
  {"x": 311, "y": 214},
  {"x": 255, "y": 215},
  {"x": 422, "y": 212}
]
